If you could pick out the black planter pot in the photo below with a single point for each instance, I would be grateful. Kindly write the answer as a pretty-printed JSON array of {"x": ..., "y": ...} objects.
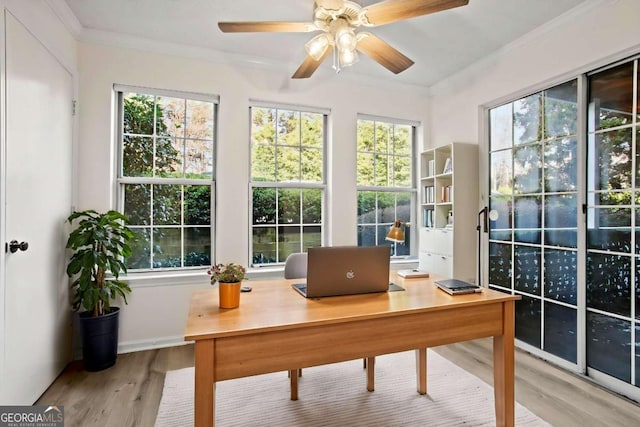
[{"x": 99, "y": 339}]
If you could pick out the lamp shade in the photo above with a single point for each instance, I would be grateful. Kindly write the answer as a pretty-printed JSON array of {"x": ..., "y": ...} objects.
[
  {"x": 317, "y": 46},
  {"x": 395, "y": 233}
]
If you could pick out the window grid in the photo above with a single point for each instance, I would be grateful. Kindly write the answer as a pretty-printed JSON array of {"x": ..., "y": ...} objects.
[
  {"x": 384, "y": 199},
  {"x": 154, "y": 181},
  {"x": 287, "y": 207}
]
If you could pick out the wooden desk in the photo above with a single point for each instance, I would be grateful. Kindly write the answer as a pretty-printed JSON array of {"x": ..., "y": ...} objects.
[{"x": 276, "y": 329}]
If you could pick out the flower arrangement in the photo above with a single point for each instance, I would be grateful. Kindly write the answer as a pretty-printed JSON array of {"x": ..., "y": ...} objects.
[{"x": 227, "y": 273}]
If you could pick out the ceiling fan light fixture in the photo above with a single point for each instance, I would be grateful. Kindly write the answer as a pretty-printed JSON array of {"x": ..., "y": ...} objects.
[
  {"x": 347, "y": 57},
  {"x": 317, "y": 46},
  {"x": 346, "y": 39}
]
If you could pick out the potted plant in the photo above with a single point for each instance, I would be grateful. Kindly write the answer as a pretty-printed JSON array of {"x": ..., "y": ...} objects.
[
  {"x": 100, "y": 246},
  {"x": 229, "y": 278}
]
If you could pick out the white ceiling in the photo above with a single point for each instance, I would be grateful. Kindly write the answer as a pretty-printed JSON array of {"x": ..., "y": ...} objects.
[{"x": 440, "y": 43}]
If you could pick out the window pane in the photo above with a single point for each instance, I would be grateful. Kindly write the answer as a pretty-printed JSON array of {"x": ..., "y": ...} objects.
[
  {"x": 312, "y": 165},
  {"x": 501, "y": 127},
  {"x": 526, "y": 120},
  {"x": 500, "y": 229},
  {"x": 199, "y": 120},
  {"x": 561, "y": 165},
  {"x": 288, "y": 128},
  {"x": 609, "y": 229},
  {"x": 312, "y": 206},
  {"x": 386, "y": 208},
  {"x": 609, "y": 345},
  {"x": 264, "y": 205},
  {"x": 365, "y": 169},
  {"x": 527, "y": 269},
  {"x": 609, "y": 283},
  {"x": 528, "y": 219},
  {"x": 167, "y": 248},
  {"x": 311, "y": 237},
  {"x": 402, "y": 171},
  {"x": 403, "y": 207},
  {"x": 365, "y": 135},
  {"x": 500, "y": 268},
  {"x": 382, "y": 177},
  {"x": 560, "y": 331},
  {"x": 610, "y": 160},
  {"x": 527, "y": 169},
  {"x": 312, "y": 130},
  {"x": 501, "y": 172},
  {"x": 263, "y": 126},
  {"x": 402, "y": 140},
  {"x": 264, "y": 245},
  {"x": 288, "y": 241},
  {"x": 137, "y": 203},
  {"x": 288, "y": 206},
  {"x": 263, "y": 160},
  {"x": 288, "y": 164},
  {"x": 561, "y": 220},
  {"x": 561, "y": 275},
  {"x": 167, "y": 204},
  {"x": 198, "y": 159},
  {"x": 140, "y": 249},
  {"x": 561, "y": 109},
  {"x": 170, "y": 116},
  {"x": 197, "y": 246},
  {"x": 367, "y": 235},
  {"x": 367, "y": 203},
  {"x": 137, "y": 156},
  {"x": 197, "y": 204},
  {"x": 611, "y": 97},
  {"x": 138, "y": 114},
  {"x": 528, "y": 316},
  {"x": 168, "y": 160}
]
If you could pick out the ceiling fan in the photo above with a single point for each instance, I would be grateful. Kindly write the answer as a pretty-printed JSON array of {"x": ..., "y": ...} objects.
[{"x": 338, "y": 21}]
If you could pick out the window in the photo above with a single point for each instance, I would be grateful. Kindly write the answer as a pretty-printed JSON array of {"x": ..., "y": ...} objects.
[
  {"x": 287, "y": 181},
  {"x": 533, "y": 252},
  {"x": 166, "y": 177},
  {"x": 385, "y": 182}
]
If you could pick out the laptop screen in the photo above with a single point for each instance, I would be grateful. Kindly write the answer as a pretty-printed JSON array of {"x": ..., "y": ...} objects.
[{"x": 347, "y": 270}]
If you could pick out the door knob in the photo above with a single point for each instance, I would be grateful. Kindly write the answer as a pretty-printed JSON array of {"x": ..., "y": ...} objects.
[{"x": 14, "y": 245}]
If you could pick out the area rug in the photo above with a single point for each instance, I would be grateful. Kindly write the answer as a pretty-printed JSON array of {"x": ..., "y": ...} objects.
[{"x": 336, "y": 395}]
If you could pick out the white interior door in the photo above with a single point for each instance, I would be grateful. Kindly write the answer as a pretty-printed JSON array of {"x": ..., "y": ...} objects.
[{"x": 37, "y": 183}]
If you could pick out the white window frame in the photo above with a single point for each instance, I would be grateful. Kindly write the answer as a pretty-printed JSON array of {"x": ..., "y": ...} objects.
[
  {"x": 121, "y": 180},
  {"x": 290, "y": 185}
]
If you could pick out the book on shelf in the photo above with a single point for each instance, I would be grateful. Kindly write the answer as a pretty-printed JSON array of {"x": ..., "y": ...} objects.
[
  {"x": 446, "y": 193},
  {"x": 431, "y": 167},
  {"x": 427, "y": 215},
  {"x": 448, "y": 166},
  {"x": 429, "y": 194}
]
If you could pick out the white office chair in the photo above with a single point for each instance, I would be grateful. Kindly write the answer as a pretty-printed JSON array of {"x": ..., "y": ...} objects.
[{"x": 295, "y": 267}]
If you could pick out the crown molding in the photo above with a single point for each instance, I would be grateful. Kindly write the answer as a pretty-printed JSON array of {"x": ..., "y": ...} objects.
[{"x": 66, "y": 16}]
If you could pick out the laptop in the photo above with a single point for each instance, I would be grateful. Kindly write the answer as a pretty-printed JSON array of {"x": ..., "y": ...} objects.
[
  {"x": 457, "y": 287},
  {"x": 346, "y": 270}
]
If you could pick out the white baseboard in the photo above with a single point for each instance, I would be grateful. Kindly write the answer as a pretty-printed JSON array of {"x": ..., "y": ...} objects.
[{"x": 151, "y": 344}]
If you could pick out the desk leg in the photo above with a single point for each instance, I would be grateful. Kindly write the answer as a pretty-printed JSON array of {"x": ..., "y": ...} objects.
[
  {"x": 293, "y": 378},
  {"x": 205, "y": 386},
  {"x": 421, "y": 370},
  {"x": 371, "y": 373},
  {"x": 503, "y": 368}
]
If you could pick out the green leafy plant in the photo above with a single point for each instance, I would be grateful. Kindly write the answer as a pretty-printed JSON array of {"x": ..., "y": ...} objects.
[
  {"x": 227, "y": 273},
  {"x": 100, "y": 245}
]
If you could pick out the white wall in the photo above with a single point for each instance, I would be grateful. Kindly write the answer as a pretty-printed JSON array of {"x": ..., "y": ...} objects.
[
  {"x": 592, "y": 35},
  {"x": 157, "y": 312}
]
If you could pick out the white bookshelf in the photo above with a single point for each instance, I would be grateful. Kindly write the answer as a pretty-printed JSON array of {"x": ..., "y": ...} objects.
[{"x": 448, "y": 210}]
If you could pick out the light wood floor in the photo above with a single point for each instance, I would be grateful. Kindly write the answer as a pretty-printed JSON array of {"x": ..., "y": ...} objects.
[{"x": 129, "y": 393}]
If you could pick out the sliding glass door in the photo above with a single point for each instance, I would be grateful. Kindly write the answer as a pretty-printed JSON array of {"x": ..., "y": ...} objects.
[
  {"x": 567, "y": 239},
  {"x": 613, "y": 218}
]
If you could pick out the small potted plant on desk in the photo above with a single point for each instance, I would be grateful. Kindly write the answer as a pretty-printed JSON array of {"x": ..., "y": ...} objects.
[
  {"x": 229, "y": 278},
  {"x": 100, "y": 244}
]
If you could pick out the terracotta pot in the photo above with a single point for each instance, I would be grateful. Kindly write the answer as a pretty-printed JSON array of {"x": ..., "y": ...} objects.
[{"x": 229, "y": 294}]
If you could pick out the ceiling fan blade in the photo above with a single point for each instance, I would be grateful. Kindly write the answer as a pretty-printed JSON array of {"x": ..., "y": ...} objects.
[
  {"x": 383, "y": 53},
  {"x": 330, "y": 4},
  {"x": 266, "y": 27},
  {"x": 310, "y": 65},
  {"x": 389, "y": 11}
]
